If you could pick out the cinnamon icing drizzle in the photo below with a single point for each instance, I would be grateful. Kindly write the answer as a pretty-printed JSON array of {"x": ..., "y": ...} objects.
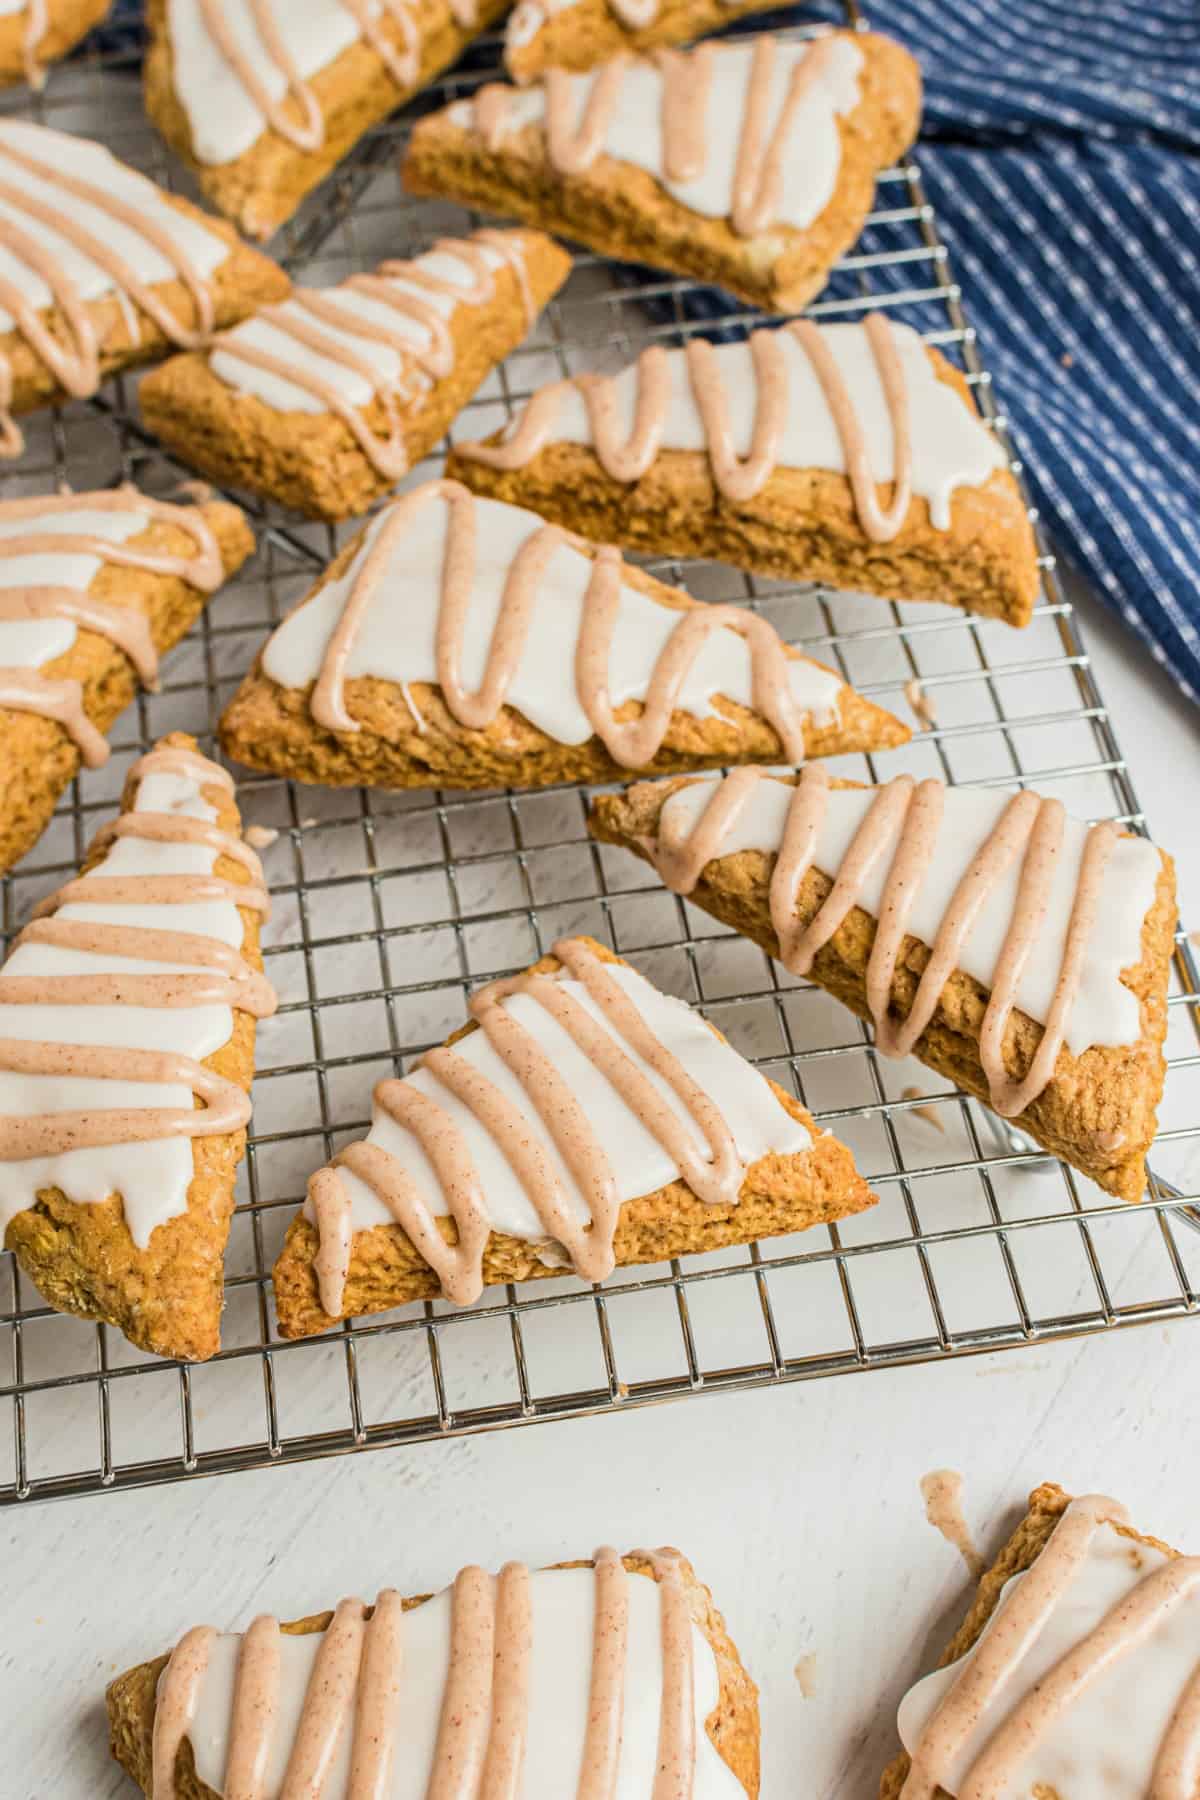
[
  {"x": 1030, "y": 830},
  {"x": 632, "y": 743},
  {"x": 737, "y": 478},
  {"x": 715, "y": 1179},
  {"x": 995, "y": 1665},
  {"x": 37, "y": 23},
  {"x": 26, "y": 689},
  {"x": 481, "y": 1742},
  {"x": 302, "y": 315}
]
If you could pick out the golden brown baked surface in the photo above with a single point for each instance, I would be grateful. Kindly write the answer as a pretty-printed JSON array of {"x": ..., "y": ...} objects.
[
  {"x": 780, "y": 1194},
  {"x": 37, "y": 755},
  {"x": 67, "y": 22},
  {"x": 732, "y": 1726},
  {"x": 311, "y": 461},
  {"x": 1047, "y": 1503},
  {"x": 262, "y": 188},
  {"x": 270, "y": 727},
  {"x": 1097, "y": 1112},
  {"x": 802, "y": 524},
  {"x": 588, "y": 32},
  {"x": 622, "y": 211},
  {"x": 167, "y": 1298}
]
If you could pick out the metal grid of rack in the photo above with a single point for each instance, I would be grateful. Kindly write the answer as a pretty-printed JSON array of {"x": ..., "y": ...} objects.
[{"x": 388, "y": 909}]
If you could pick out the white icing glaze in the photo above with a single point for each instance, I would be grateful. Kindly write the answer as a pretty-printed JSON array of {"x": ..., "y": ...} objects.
[
  {"x": 276, "y": 391},
  {"x": 93, "y": 163},
  {"x": 28, "y": 643},
  {"x": 1104, "y": 1747},
  {"x": 951, "y": 446},
  {"x": 153, "y": 1177},
  {"x": 640, "y": 1165},
  {"x": 635, "y": 134},
  {"x": 222, "y": 117},
  {"x": 563, "y": 1605},
  {"x": 294, "y": 654},
  {"x": 1104, "y": 1012}
]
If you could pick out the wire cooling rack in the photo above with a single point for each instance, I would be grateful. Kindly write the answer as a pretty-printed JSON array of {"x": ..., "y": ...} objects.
[{"x": 388, "y": 909}]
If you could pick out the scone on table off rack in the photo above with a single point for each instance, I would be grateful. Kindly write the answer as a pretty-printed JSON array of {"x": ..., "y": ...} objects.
[
  {"x": 127, "y": 1020},
  {"x": 462, "y": 643},
  {"x": 263, "y": 98},
  {"x": 534, "y": 1142},
  {"x": 849, "y": 454},
  {"x": 669, "y": 160},
  {"x": 325, "y": 401},
  {"x": 1013, "y": 949},
  {"x": 93, "y": 587},
  {"x": 36, "y": 33},
  {"x": 578, "y": 34},
  {"x": 565, "y": 1680},
  {"x": 129, "y": 272},
  {"x": 1076, "y": 1670}
]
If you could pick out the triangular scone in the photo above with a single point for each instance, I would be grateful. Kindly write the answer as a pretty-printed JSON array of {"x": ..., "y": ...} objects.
[
  {"x": 1097, "y": 1616},
  {"x": 41, "y": 32},
  {"x": 682, "y": 160},
  {"x": 127, "y": 1013},
  {"x": 735, "y": 1159},
  {"x": 649, "y": 1678},
  {"x": 578, "y": 34},
  {"x": 263, "y": 111},
  {"x": 111, "y": 306},
  {"x": 92, "y": 588},
  {"x": 325, "y": 402},
  {"x": 780, "y": 454},
  {"x": 461, "y": 643},
  {"x": 1048, "y": 1002}
]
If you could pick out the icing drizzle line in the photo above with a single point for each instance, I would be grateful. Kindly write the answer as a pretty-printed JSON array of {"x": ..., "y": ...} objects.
[
  {"x": 997, "y": 1659},
  {"x": 738, "y": 478},
  {"x": 388, "y": 287},
  {"x": 715, "y": 1179},
  {"x": 28, "y": 690},
  {"x": 632, "y": 743},
  {"x": 481, "y": 1740},
  {"x": 218, "y": 975},
  {"x": 1030, "y": 829}
]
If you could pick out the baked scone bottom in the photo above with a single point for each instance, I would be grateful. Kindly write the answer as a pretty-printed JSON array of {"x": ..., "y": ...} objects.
[
  {"x": 587, "y": 32},
  {"x": 657, "y": 1593},
  {"x": 1097, "y": 1110},
  {"x": 1082, "y": 1535},
  {"x": 806, "y": 1178},
  {"x": 36, "y": 36},
  {"x": 345, "y": 691},
  {"x": 164, "y": 1292}
]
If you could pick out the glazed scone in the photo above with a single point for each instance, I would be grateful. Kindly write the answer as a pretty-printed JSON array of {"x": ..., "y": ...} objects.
[
  {"x": 36, "y": 33},
  {"x": 1079, "y": 1678},
  {"x": 263, "y": 102},
  {"x": 147, "y": 271},
  {"x": 578, "y": 34},
  {"x": 574, "y": 1160},
  {"x": 556, "y": 1678},
  {"x": 667, "y": 160},
  {"x": 127, "y": 1011},
  {"x": 92, "y": 588},
  {"x": 846, "y": 454},
  {"x": 1025, "y": 956},
  {"x": 327, "y": 423},
  {"x": 462, "y": 643}
]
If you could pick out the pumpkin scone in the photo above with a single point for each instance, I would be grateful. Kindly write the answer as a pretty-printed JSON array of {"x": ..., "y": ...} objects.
[
  {"x": 93, "y": 587},
  {"x": 534, "y": 1141},
  {"x": 263, "y": 99},
  {"x": 668, "y": 160},
  {"x": 462, "y": 643},
  {"x": 36, "y": 33},
  {"x": 324, "y": 402},
  {"x": 589, "y": 1677},
  {"x": 578, "y": 34},
  {"x": 1076, "y": 1670},
  {"x": 1021, "y": 953},
  {"x": 846, "y": 454},
  {"x": 127, "y": 1020}
]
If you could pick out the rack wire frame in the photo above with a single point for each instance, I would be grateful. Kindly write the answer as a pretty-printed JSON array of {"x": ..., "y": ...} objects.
[{"x": 513, "y": 871}]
